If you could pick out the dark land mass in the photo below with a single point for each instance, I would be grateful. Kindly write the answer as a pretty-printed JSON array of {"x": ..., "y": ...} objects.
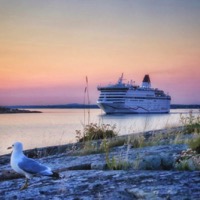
[
  {"x": 59, "y": 106},
  {"x": 185, "y": 106},
  {"x": 6, "y": 110},
  {"x": 93, "y": 106}
]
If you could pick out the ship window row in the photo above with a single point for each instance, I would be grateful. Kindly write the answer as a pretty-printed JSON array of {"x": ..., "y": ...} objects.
[
  {"x": 112, "y": 96},
  {"x": 112, "y": 99},
  {"x": 113, "y": 89},
  {"x": 168, "y": 98},
  {"x": 116, "y": 95},
  {"x": 113, "y": 93},
  {"x": 123, "y": 97}
]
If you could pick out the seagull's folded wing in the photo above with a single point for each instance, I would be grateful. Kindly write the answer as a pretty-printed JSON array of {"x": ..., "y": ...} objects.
[{"x": 31, "y": 166}]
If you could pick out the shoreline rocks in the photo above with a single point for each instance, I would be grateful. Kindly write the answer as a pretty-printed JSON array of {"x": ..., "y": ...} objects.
[
  {"x": 150, "y": 174},
  {"x": 111, "y": 185}
]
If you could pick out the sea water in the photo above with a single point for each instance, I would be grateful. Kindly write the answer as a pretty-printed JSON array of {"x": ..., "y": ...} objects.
[{"x": 58, "y": 126}]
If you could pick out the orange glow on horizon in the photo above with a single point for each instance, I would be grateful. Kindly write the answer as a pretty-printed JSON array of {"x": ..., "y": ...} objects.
[{"x": 48, "y": 50}]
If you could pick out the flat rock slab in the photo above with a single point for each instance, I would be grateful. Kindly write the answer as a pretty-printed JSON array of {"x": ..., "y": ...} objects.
[
  {"x": 96, "y": 184},
  {"x": 77, "y": 183}
]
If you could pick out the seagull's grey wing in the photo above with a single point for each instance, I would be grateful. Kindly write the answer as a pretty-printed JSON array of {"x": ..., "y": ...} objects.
[{"x": 31, "y": 166}]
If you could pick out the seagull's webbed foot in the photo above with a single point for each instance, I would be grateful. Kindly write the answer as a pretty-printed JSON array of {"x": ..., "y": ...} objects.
[{"x": 25, "y": 185}]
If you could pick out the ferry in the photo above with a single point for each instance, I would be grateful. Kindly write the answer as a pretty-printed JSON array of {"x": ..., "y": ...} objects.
[{"x": 131, "y": 98}]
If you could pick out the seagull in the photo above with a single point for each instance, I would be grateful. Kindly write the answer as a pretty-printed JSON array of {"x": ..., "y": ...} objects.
[{"x": 27, "y": 166}]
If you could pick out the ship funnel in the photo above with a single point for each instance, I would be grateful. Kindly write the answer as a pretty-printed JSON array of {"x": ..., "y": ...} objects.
[{"x": 146, "y": 82}]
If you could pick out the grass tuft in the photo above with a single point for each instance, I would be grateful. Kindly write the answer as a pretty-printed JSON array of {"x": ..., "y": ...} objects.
[
  {"x": 188, "y": 160},
  {"x": 93, "y": 131},
  {"x": 191, "y": 122},
  {"x": 195, "y": 144}
]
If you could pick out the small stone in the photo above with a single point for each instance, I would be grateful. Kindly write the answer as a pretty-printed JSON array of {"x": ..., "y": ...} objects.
[
  {"x": 153, "y": 162},
  {"x": 167, "y": 161},
  {"x": 138, "y": 193},
  {"x": 191, "y": 164},
  {"x": 98, "y": 166}
]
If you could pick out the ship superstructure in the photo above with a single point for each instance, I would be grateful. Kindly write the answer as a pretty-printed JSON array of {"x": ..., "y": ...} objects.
[{"x": 131, "y": 98}]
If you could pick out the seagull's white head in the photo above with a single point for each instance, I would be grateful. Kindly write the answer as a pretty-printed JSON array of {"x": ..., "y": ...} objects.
[{"x": 17, "y": 147}]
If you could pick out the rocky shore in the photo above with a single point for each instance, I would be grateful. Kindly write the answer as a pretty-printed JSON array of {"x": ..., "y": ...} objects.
[{"x": 149, "y": 173}]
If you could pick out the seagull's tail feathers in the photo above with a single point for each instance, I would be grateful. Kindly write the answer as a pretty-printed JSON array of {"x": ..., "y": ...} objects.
[{"x": 49, "y": 172}]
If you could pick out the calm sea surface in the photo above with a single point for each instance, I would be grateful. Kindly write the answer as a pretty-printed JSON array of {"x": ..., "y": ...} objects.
[{"x": 58, "y": 126}]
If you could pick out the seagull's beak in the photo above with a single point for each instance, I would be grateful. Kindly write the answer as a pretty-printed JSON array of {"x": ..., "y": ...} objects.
[{"x": 9, "y": 148}]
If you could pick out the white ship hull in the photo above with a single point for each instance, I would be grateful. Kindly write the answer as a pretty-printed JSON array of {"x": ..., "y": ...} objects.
[{"x": 147, "y": 106}]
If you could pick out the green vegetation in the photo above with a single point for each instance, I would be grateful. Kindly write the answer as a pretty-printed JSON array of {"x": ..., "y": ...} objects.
[
  {"x": 137, "y": 141},
  {"x": 188, "y": 160},
  {"x": 117, "y": 163},
  {"x": 191, "y": 123},
  {"x": 93, "y": 131},
  {"x": 94, "y": 143},
  {"x": 195, "y": 144},
  {"x": 100, "y": 138},
  {"x": 183, "y": 165},
  {"x": 104, "y": 132},
  {"x": 114, "y": 162}
]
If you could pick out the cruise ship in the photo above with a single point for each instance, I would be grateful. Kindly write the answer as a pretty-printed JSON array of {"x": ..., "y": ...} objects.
[{"x": 130, "y": 98}]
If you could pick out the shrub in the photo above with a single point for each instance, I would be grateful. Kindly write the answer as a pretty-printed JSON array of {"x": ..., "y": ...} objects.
[
  {"x": 114, "y": 162},
  {"x": 137, "y": 141},
  {"x": 116, "y": 142},
  {"x": 117, "y": 163},
  {"x": 191, "y": 122},
  {"x": 195, "y": 144},
  {"x": 188, "y": 160},
  {"x": 93, "y": 131},
  {"x": 183, "y": 165}
]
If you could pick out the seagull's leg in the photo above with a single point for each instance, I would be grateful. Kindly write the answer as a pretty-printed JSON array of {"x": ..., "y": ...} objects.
[{"x": 25, "y": 185}]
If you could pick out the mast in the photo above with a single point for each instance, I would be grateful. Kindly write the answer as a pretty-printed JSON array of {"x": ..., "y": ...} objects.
[{"x": 120, "y": 79}]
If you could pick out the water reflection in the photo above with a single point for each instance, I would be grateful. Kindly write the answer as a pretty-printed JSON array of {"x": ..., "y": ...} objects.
[{"x": 58, "y": 126}]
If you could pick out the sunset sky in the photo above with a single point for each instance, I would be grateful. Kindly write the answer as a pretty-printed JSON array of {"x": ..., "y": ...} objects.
[{"x": 47, "y": 48}]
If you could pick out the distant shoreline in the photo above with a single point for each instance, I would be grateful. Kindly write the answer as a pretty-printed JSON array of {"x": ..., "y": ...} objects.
[
  {"x": 23, "y": 108},
  {"x": 5, "y": 110},
  {"x": 91, "y": 106}
]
